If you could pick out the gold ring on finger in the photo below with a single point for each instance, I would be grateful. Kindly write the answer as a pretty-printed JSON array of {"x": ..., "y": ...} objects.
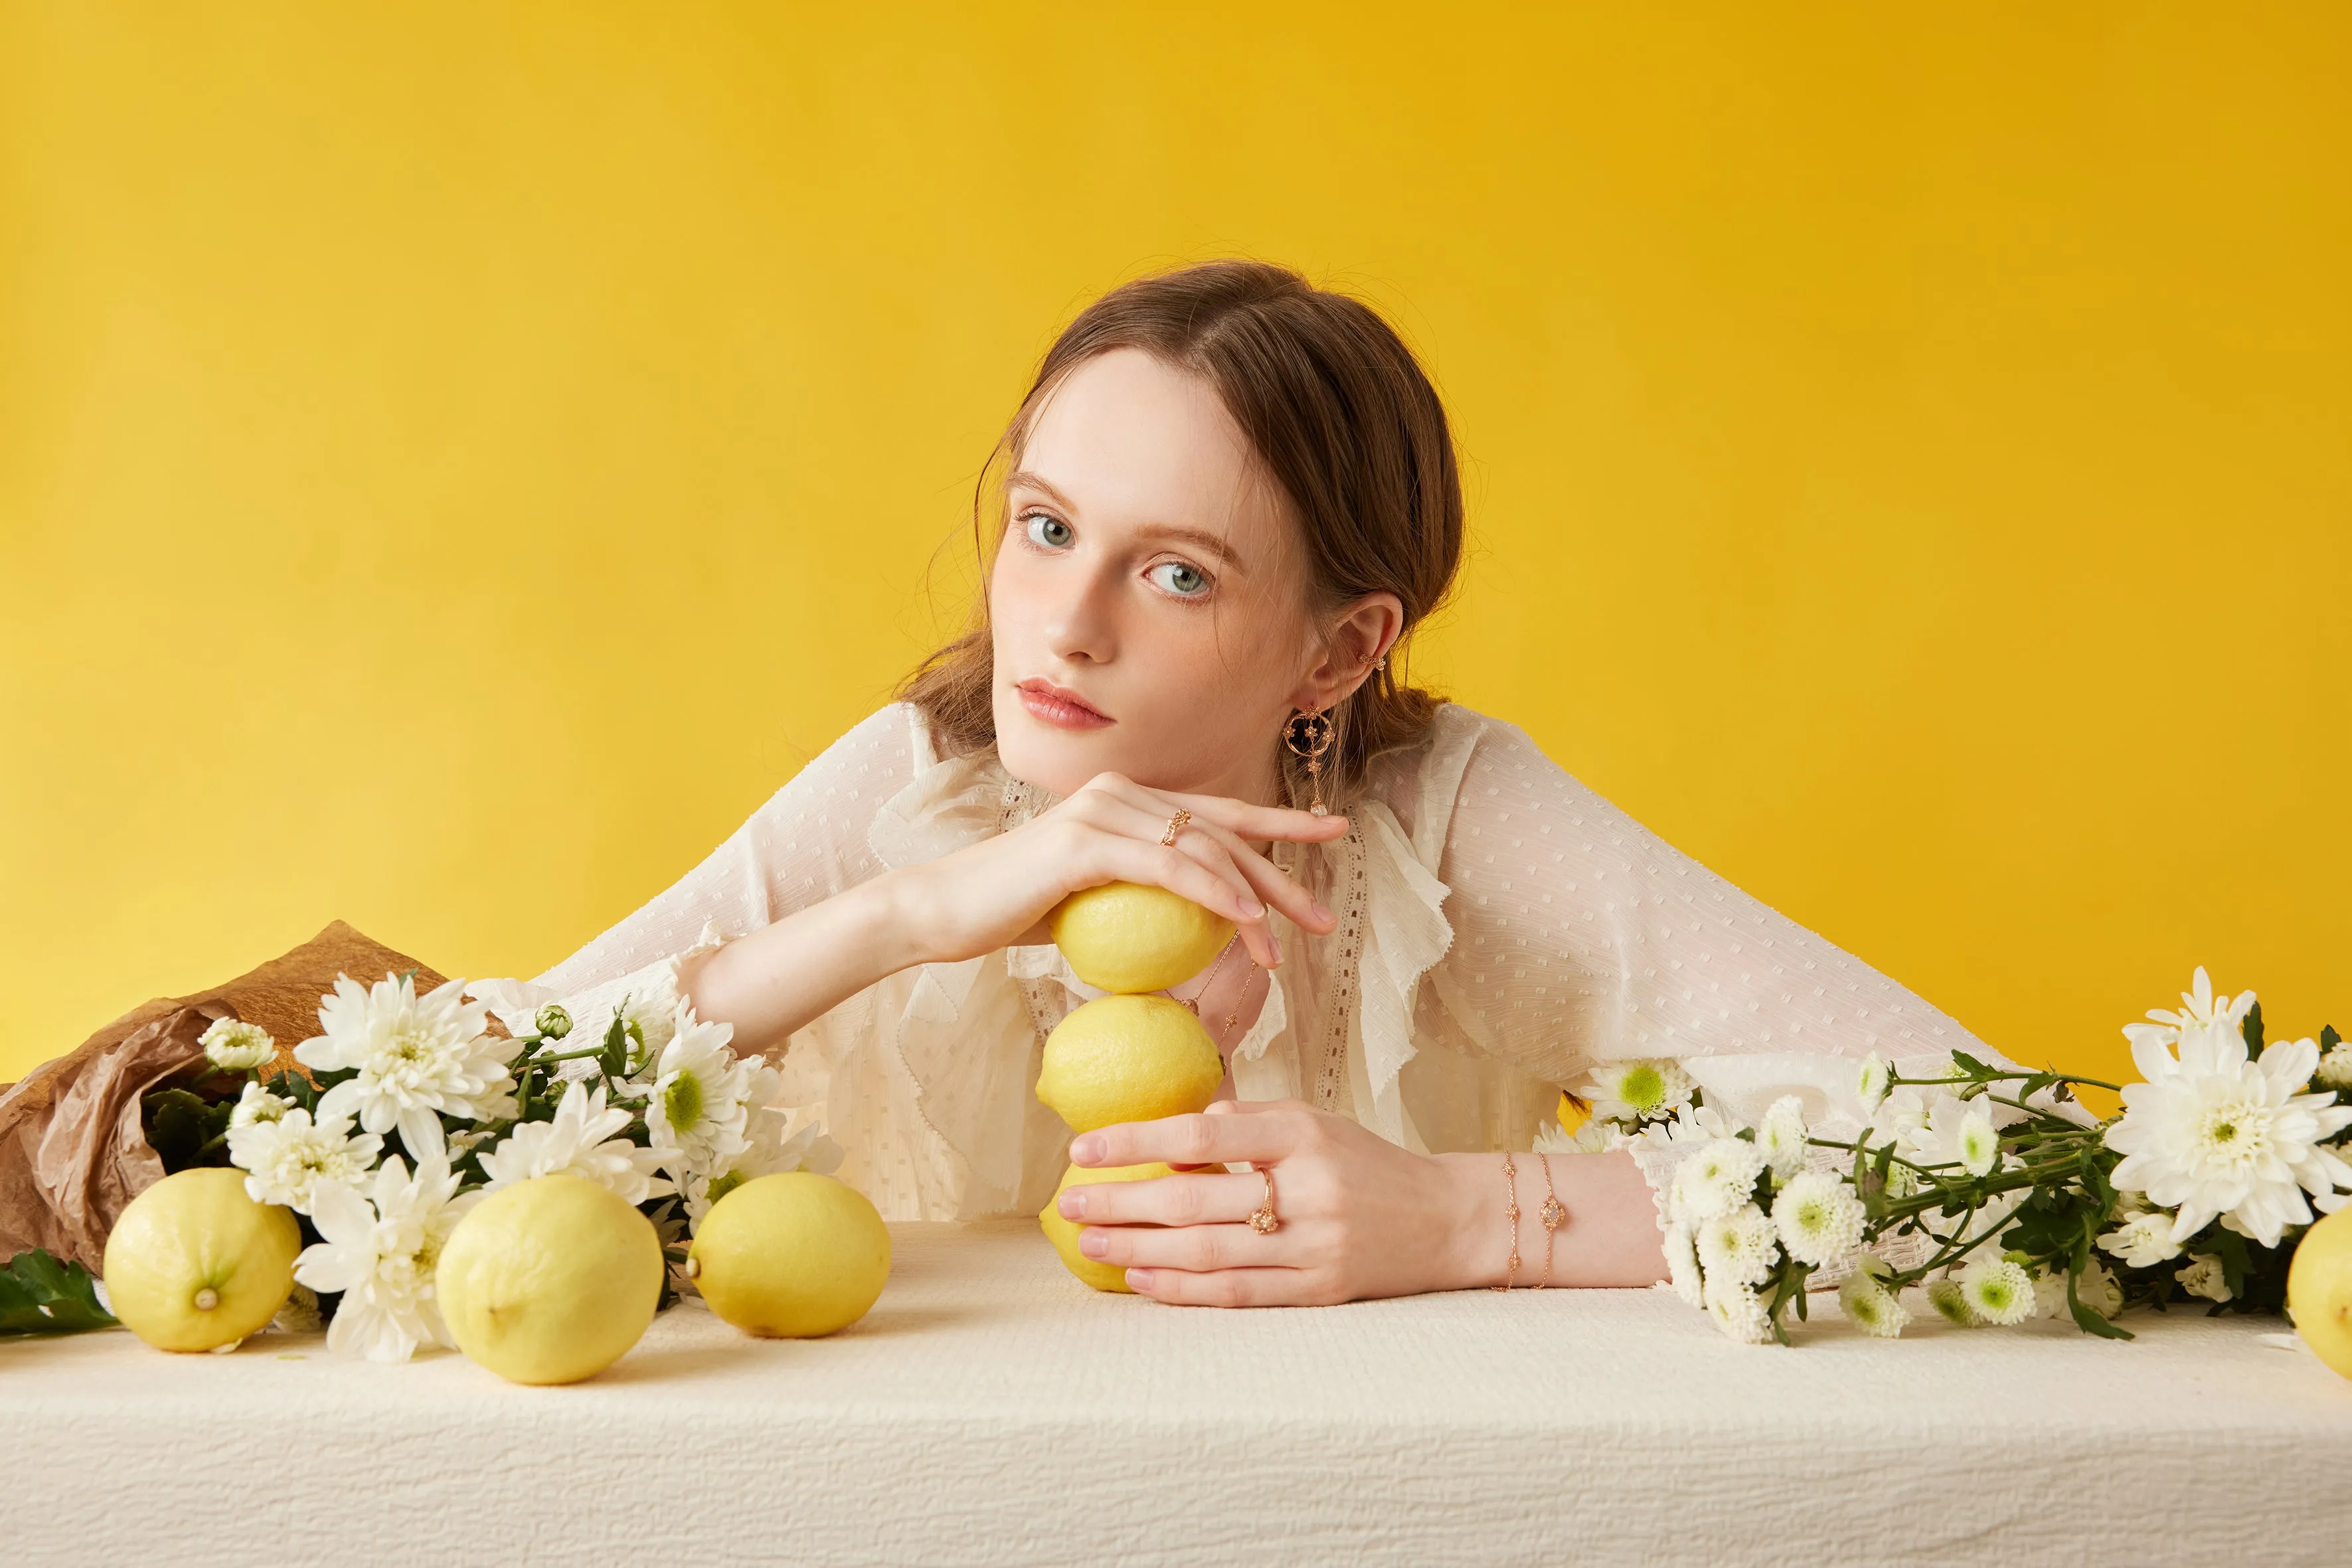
[
  {"x": 1263, "y": 1220},
  {"x": 1175, "y": 826}
]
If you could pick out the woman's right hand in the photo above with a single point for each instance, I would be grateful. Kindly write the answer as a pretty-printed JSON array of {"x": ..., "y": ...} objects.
[{"x": 997, "y": 893}]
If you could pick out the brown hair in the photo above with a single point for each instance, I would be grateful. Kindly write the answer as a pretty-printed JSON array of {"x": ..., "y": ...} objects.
[{"x": 1346, "y": 422}]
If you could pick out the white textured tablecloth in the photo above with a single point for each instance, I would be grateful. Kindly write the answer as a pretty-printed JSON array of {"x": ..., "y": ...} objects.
[{"x": 993, "y": 1410}]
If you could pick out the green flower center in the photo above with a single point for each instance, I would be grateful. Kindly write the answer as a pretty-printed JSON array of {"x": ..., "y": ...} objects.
[
  {"x": 682, "y": 1101},
  {"x": 1643, "y": 1087},
  {"x": 721, "y": 1186}
]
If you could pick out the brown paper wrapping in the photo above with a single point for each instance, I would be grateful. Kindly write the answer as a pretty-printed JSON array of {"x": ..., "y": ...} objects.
[{"x": 73, "y": 1152}]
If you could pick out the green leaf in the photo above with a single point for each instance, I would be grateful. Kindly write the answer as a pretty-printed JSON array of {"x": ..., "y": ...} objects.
[
  {"x": 2086, "y": 1320},
  {"x": 2329, "y": 1039},
  {"x": 2253, "y": 1028},
  {"x": 185, "y": 1130},
  {"x": 613, "y": 1058},
  {"x": 40, "y": 1295}
]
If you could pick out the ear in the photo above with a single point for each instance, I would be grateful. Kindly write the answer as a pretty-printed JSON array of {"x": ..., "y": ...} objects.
[{"x": 1359, "y": 638}]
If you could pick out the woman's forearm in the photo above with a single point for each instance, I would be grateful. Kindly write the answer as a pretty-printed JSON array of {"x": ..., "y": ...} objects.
[
  {"x": 1610, "y": 1235},
  {"x": 784, "y": 975}
]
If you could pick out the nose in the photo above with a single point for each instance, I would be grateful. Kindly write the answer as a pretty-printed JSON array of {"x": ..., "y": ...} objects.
[{"x": 1082, "y": 618}]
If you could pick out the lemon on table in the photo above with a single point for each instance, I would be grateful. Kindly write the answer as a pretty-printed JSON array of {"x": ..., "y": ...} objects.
[
  {"x": 550, "y": 1280},
  {"x": 1127, "y": 937},
  {"x": 2319, "y": 1289},
  {"x": 195, "y": 1264},
  {"x": 1063, "y": 1233},
  {"x": 1127, "y": 1059},
  {"x": 790, "y": 1256}
]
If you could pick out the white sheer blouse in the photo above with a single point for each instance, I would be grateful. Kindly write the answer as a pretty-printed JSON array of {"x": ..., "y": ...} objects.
[{"x": 1502, "y": 930}]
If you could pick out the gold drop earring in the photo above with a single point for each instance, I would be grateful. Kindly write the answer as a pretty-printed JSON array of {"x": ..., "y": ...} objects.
[{"x": 1308, "y": 735}]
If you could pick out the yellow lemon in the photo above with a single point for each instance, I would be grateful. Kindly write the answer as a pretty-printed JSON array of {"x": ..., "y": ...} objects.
[
  {"x": 1063, "y": 1233},
  {"x": 1126, "y": 936},
  {"x": 550, "y": 1280},
  {"x": 790, "y": 1256},
  {"x": 195, "y": 1264},
  {"x": 2319, "y": 1289},
  {"x": 1127, "y": 1059}
]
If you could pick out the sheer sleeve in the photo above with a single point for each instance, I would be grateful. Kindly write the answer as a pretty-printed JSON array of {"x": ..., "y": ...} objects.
[
  {"x": 807, "y": 842},
  {"x": 1581, "y": 938}
]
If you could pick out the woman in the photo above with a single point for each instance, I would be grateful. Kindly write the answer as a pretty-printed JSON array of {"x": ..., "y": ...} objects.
[{"x": 1227, "y": 501}]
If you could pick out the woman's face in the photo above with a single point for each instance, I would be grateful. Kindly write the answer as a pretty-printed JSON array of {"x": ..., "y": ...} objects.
[{"x": 1148, "y": 600}]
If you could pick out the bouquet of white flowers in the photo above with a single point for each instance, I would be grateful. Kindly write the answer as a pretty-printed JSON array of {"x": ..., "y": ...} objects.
[
  {"x": 410, "y": 1108},
  {"x": 1992, "y": 1188}
]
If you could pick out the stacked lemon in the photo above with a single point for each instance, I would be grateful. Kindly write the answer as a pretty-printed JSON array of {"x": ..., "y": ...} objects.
[{"x": 1129, "y": 1056}]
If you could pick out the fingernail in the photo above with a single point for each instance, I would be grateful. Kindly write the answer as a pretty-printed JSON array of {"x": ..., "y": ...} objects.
[
  {"x": 1138, "y": 1279},
  {"x": 1322, "y": 913},
  {"x": 1073, "y": 1205},
  {"x": 1253, "y": 910},
  {"x": 1086, "y": 1150},
  {"x": 1093, "y": 1243}
]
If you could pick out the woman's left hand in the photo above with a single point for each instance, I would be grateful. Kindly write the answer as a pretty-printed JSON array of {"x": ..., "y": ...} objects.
[{"x": 1359, "y": 1216}]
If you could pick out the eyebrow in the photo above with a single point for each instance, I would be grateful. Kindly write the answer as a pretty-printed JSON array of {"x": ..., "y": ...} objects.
[{"x": 1201, "y": 537}]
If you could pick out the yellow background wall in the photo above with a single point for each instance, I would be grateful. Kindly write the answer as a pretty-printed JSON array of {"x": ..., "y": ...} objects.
[{"x": 456, "y": 460}]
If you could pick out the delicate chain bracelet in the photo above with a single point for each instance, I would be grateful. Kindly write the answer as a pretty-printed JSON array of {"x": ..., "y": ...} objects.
[
  {"x": 1511, "y": 1176},
  {"x": 1553, "y": 1214}
]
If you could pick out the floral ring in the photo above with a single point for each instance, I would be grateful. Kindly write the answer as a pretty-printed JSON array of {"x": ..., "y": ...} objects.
[
  {"x": 1175, "y": 826},
  {"x": 1263, "y": 1220}
]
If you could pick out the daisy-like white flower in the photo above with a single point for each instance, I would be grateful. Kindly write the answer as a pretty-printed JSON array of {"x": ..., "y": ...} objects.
[
  {"x": 291, "y": 1159},
  {"x": 1682, "y": 1266},
  {"x": 381, "y": 1255},
  {"x": 1872, "y": 1307},
  {"x": 582, "y": 1140},
  {"x": 1955, "y": 1132},
  {"x": 1736, "y": 1246},
  {"x": 1951, "y": 1304},
  {"x": 234, "y": 1046},
  {"x": 1691, "y": 1125},
  {"x": 2204, "y": 1276},
  {"x": 1648, "y": 1089},
  {"x": 2200, "y": 1012},
  {"x": 699, "y": 1098},
  {"x": 419, "y": 1058},
  {"x": 2336, "y": 1067},
  {"x": 769, "y": 1149},
  {"x": 1738, "y": 1311},
  {"x": 2211, "y": 1133},
  {"x": 514, "y": 1003},
  {"x": 2143, "y": 1240},
  {"x": 1872, "y": 1083},
  {"x": 257, "y": 1104},
  {"x": 1819, "y": 1221},
  {"x": 1997, "y": 1291},
  {"x": 1716, "y": 1178},
  {"x": 1594, "y": 1137},
  {"x": 1781, "y": 1135},
  {"x": 2096, "y": 1290}
]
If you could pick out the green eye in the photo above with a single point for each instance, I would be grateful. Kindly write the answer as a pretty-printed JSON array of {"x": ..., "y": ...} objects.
[
  {"x": 1180, "y": 578},
  {"x": 1048, "y": 531}
]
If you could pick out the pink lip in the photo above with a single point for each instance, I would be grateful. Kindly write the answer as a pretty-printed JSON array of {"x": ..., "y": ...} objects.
[{"x": 1057, "y": 706}]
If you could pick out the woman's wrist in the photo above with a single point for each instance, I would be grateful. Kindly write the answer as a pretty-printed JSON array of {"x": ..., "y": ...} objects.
[{"x": 1608, "y": 1235}]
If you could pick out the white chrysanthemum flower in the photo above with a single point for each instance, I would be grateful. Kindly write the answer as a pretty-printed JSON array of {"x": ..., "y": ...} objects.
[
  {"x": 1951, "y": 1304},
  {"x": 1736, "y": 1246},
  {"x": 1648, "y": 1089},
  {"x": 1715, "y": 1179},
  {"x": 657, "y": 1018},
  {"x": 1870, "y": 1084},
  {"x": 381, "y": 1255},
  {"x": 1738, "y": 1311},
  {"x": 2200, "y": 1013},
  {"x": 2097, "y": 1290},
  {"x": 769, "y": 1148},
  {"x": 1682, "y": 1266},
  {"x": 514, "y": 1003},
  {"x": 1872, "y": 1307},
  {"x": 1781, "y": 1135},
  {"x": 1690, "y": 1126},
  {"x": 580, "y": 1140},
  {"x": 1997, "y": 1291},
  {"x": 2336, "y": 1067},
  {"x": 2142, "y": 1240},
  {"x": 2204, "y": 1276},
  {"x": 418, "y": 1059},
  {"x": 234, "y": 1046},
  {"x": 1955, "y": 1132},
  {"x": 291, "y": 1159},
  {"x": 698, "y": 1099},
  {"x": 2213, "y": 1134},
  {"x": 1819, "y": 1221},
  {"x": 257, "y": 1104},
  {"x": 1594, "y": 1137}
]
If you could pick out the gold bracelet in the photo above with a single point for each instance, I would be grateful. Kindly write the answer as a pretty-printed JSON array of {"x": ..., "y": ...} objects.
[
  {"x": 1511, "y": 1177},
  {"x": 1552, "y": 1214}
]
